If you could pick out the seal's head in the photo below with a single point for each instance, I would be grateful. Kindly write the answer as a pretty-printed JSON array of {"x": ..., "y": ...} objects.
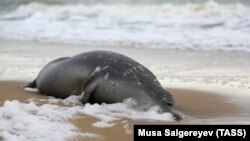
[{"x": 167, "y": 104}]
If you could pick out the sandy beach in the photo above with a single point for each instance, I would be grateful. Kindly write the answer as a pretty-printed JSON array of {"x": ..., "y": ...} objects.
[{"x": 202, "y": 91}]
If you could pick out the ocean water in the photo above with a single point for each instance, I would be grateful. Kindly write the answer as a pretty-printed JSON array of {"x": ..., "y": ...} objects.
[{"x": 167, "y": 24}]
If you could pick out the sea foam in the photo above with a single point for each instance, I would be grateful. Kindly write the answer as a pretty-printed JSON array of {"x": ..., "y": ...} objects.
[
  {"x": 206, "y": 26},
  {"x": 28, "y": 121}
]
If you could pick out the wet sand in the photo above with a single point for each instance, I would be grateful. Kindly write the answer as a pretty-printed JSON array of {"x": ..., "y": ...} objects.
[
  {"x": 13, "y": 90},
  {"x": 195, "y": 104},
  {"x": 203, "y": 104}
]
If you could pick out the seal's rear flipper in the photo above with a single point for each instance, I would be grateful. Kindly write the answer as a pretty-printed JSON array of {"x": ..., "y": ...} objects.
[{"x": 31, "y": 84}]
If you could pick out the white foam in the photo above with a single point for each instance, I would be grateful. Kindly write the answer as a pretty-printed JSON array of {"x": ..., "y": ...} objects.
[
  {"x": 208, "y": 26},
  {"x": 74, "y": 99},
  {"x": 108, "y": 113},
  {"x": 127, "y": 130},
  {"x": 27, "y": 121},
  {"x": 103, "y": 124},
  {"x": 22, "y": 121},
  {"x": 31, "y": 89}
]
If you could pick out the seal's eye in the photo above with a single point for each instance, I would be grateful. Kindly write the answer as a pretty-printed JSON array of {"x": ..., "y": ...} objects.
[{"x": 169, "y": 104}]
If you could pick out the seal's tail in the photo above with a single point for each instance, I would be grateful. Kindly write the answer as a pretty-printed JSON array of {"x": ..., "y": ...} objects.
[{"x": 31, "y": 84}]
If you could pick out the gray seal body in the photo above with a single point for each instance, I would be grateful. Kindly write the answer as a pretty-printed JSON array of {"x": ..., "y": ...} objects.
[{"x": 102, "y": 77}]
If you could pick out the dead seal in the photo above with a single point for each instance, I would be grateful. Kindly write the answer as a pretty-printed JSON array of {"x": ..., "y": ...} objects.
[{"x": 103, "y": 77}]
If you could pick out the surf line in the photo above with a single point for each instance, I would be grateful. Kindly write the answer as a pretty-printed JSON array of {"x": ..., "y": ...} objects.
[{"x": 175, "y": 133}]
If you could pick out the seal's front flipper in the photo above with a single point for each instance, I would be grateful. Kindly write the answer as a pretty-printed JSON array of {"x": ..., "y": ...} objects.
[
  {"x": 31, "y": 84},
  {"x": 88, "y": 90}
]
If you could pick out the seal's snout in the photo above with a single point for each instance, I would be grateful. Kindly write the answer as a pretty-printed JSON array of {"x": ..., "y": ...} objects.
[
  {"x": 173, "y": 110},
  {"x": 177, "y": 116}
]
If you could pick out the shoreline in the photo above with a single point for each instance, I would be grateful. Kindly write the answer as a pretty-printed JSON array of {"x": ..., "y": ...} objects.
[{"x": 197, "y": 104}]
